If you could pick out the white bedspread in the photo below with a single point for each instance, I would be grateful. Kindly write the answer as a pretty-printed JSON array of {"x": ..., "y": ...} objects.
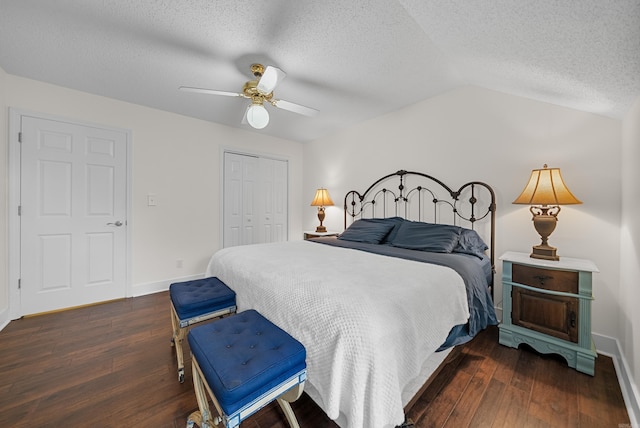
[{"x": 368, "y": 322}]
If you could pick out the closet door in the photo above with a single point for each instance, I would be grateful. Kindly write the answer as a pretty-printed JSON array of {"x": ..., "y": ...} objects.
[
  {"x": 273, "y": 200},
  {"x": 255, "y": 200},
  {"x": 240, "y": 176}
]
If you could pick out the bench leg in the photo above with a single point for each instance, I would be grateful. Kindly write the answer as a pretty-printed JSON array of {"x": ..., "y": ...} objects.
[
  {"x": 288, "y": 412},
  {"x": 176, "y": 340},
  {"x": 289, "y": 397},
  {"x": 202, "y": 416}
]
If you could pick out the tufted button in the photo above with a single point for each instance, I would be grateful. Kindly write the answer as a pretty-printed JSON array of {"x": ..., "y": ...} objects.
[{"x": 228, "y": 346}]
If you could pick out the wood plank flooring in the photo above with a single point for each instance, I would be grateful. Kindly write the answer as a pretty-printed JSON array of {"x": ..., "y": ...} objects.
[{"x": 112, "y": 365}]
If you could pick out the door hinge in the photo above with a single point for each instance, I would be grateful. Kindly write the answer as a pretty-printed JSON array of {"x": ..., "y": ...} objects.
[
  {"x": 19, "y": 283},
  {"x": 19, "y": 210},
  {"x": 19, "y": 137}
]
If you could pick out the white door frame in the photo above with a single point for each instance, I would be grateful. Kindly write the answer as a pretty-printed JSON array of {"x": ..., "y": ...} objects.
[{"x": 13, "y": 219}]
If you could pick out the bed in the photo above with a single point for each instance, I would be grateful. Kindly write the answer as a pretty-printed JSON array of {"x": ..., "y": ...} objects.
[{"x": 380, "y": 307}]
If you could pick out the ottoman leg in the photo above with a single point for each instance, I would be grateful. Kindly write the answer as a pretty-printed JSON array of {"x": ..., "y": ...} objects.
[
  {"x": 289, "y": 397},
  {"x": 202, "y": 416},
  {"x": 176, "y": 340}
]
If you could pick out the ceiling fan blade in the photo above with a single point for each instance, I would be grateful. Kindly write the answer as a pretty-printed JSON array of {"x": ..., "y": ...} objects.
[
  {"x": 210, "y": 91},
  {"x": 270, "y": 79},
  {"x": 244, "y": 117},
  {"x": 296, "y": 108}
]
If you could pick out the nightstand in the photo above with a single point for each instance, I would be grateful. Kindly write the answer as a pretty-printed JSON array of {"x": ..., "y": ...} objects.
[
  {"x": 314, "y": 234},
  {"x": 547, "y": 305}
]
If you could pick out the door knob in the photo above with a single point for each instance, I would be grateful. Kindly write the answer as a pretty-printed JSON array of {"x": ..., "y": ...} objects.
[{"x": 117, "y": 223}]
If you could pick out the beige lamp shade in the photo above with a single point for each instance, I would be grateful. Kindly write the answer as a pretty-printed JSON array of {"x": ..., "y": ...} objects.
[
  {"x": 322, "y": 199},
  {"x": 546, "y": 187}
]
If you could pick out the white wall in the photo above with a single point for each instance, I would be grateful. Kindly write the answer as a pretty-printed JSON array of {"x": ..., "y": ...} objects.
[
  {"x": 175, "y": 157},
  {"x": 629, "y": 315},
  {"x": 477, "y": 134}
]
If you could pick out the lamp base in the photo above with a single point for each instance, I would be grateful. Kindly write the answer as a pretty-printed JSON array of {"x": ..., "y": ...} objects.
[
  {"x": 545, "y": 252},
  {"x": 321, "y": 229}
]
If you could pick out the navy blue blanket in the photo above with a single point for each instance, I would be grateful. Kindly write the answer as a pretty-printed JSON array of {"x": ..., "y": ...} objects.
[{"x": 472, "y": 271}]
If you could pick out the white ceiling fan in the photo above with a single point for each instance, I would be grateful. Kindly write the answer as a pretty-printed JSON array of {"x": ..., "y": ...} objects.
[{"x": 259, "y": 91}]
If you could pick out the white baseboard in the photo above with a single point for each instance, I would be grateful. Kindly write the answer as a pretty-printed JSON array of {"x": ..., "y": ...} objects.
[
  {"x": 158, "y": 286},
  {"x": 610, "y": 347},
  {"x": 5, "y": 319},
  {"x": 498, "y": 310}
]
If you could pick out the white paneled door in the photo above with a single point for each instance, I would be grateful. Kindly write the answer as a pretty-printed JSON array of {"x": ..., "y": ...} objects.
[
  {"x": 255, "y": 199},
  {"x": 73, "y": 212},
  {"x": 273, "y": 200},
  {"x": 240, "y": 193}
]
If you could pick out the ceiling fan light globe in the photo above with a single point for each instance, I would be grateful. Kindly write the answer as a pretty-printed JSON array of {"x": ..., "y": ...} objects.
[{"x": 257, "y": 116}]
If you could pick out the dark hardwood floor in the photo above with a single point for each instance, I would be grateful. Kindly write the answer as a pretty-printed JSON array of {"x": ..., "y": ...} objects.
[{"x": 111, "y": 365}]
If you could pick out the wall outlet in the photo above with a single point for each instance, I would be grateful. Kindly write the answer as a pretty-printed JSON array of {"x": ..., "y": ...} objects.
[{"x": 152, "y": 200}]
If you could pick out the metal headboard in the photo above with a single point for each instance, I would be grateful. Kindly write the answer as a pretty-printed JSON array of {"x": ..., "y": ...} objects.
[{"x": 421, "y": 197}]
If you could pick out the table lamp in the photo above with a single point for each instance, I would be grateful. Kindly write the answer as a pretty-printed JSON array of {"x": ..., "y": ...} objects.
[
  {"x": 321, "y": 200},
  {"x": 545, "y": 192}
]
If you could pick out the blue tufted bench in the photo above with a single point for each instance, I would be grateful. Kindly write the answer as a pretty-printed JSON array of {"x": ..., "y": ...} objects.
[
  {"x": 193, "y": 302},
  {"x": 244, "y": 362}
]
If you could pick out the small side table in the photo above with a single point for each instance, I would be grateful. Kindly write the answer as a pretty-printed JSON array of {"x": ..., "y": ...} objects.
[
  {"x": 547, "y": 305},
  {"x": 308, "y": 234}
]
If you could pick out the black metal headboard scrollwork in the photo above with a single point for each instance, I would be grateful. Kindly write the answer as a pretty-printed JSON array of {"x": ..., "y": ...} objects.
[{"x": 421, "y": 197}]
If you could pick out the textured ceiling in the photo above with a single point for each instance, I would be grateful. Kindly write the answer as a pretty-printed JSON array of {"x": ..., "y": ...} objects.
[{"x": 352, "y": 60}]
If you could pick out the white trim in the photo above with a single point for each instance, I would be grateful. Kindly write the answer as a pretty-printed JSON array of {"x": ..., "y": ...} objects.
[
  {"x": 4, "y": 318},
  {"x": 129, "y": 230},
  {"x": 610, "y": 347},
  {"x": 13, "y": 220},
  {"x": 159, "y": 286}
]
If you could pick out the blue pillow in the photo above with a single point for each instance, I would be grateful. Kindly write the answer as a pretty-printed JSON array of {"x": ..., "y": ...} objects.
[
  {"x": 437, "y": 238},
  {"x": 470, "y": 243},
  {"x": 369, "y": 230},
  {"x": 396, "y": 222}
]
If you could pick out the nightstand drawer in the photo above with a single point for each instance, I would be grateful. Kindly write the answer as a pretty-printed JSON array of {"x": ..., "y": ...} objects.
[{"x": 548, "y": 279}]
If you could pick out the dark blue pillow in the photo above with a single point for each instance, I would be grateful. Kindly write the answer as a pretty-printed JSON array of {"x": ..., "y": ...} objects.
[
  {"x": 437, "y": 238},
  {"x": 396, "y": 222},
  {"x": 369, "y": 230},
  {"x": 470, "y": 243}
]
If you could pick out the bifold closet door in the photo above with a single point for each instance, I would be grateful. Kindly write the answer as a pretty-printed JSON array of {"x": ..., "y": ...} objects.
[{"x": 255, "y": 200}]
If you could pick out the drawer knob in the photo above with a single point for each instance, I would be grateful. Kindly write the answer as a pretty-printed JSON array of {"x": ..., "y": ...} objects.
[{"x": 542, "y": 278}]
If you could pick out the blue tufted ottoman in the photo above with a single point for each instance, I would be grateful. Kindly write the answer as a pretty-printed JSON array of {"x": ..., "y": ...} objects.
[
  {"x": 193, "y": 302},
  {"x": 244, "y": 362}
]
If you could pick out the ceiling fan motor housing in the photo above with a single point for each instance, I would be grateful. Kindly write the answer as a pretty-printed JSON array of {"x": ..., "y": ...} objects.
[{"x": 250, "y": 90}]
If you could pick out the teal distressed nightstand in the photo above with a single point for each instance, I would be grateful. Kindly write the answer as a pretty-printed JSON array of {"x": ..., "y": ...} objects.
[{"x": 547, "y": 305}]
